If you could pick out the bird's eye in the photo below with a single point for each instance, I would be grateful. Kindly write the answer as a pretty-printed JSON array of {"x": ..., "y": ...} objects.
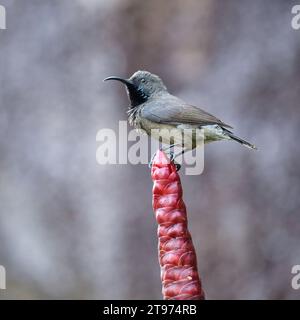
[{"x": 143, "y": 80}]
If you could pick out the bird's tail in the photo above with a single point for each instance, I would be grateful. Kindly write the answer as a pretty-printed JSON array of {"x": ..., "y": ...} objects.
[{"x": 241, "y": 141}]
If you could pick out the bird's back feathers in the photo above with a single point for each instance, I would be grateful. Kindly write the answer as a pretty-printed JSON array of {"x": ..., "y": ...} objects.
[{"x": 169, "y": 109}]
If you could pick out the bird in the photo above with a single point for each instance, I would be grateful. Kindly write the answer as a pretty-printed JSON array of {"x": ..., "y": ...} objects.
[{"x": 153, "y": 107}]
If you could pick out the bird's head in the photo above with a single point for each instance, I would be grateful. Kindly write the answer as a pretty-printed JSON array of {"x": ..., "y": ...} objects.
[{"x": 141, "y": 86}]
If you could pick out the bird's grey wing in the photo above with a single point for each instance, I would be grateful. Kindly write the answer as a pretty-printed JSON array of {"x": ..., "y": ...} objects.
[{"x": 175, "y": 111}]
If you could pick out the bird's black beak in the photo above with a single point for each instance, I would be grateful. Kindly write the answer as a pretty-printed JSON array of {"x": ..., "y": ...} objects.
[
  {"x": 135, "y": 96},
  {"x": 127, "y": 82}
]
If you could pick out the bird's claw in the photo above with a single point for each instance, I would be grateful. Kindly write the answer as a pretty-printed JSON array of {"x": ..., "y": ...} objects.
[
  {"x": 172, "y": 159},
  {"x": 151, "y": 161},
  {"x": 172, "y": 156},
  {"x": 178, "y": 166}
]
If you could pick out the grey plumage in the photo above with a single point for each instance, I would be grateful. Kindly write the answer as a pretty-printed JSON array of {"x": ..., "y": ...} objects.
[
  {"x": 153, "y": 107},
  {"x": 171, "y": 110}
]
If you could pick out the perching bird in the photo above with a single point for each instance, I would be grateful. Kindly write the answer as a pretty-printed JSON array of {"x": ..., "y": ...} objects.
[{"x": 153, "y": 107}]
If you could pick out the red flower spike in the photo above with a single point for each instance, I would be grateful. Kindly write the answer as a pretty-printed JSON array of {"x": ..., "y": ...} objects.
[{"x": 177, "y": 257}]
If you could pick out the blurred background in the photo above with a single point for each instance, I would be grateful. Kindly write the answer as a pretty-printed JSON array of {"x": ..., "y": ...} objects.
[{"x": 71, "y": 228}]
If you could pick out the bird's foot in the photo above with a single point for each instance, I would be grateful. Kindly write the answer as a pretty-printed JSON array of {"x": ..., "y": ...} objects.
[
  {"x": 150, "y": 164},
  {"x": 172, "y": 156},
  {"x": 178, "y": 166},
  {"x": 172, "y": 159},
  {"x": 151, "y": 161}
]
